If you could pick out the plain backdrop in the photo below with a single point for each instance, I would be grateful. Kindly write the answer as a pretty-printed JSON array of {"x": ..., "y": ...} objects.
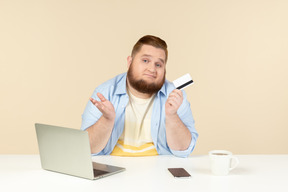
[{"x": 53, "y": 54}]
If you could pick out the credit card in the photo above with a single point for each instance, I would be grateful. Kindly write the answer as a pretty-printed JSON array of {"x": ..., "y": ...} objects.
[{"x": 183, "y": 81}]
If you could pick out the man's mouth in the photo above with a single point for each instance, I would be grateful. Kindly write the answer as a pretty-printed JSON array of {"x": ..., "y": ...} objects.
[{"x": 150, "y": 76}]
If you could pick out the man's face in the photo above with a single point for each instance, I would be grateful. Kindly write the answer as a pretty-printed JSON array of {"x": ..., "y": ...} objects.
[{"x": 147, "y": 69}]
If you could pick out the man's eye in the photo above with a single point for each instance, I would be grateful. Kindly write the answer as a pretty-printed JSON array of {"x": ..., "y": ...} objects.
[
  {"x": 145, "y": 60},
  {"x": 158, "y": 65}
]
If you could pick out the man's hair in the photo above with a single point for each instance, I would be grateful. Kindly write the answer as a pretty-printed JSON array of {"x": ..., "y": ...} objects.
[{"x": 150, "y": 40}]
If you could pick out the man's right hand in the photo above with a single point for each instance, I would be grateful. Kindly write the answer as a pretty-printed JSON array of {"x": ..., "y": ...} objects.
[{"x": 105, "y": 107}]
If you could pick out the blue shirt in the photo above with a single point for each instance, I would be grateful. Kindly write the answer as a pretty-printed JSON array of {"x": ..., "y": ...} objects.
[{"x": 114, "y": 90}]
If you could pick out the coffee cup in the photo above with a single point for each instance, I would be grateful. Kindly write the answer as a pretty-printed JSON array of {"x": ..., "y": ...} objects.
[{"x": 221, "y": 162}]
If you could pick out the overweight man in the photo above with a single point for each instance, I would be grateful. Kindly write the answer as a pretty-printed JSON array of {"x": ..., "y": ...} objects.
[{"x": 140, "y": 113}]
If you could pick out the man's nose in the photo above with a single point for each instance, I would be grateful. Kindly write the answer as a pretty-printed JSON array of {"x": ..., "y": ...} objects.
[{"x": 152, "y": 67}]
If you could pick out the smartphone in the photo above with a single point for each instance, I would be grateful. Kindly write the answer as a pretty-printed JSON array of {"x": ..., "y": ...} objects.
[{"x": 179, "y": 172}]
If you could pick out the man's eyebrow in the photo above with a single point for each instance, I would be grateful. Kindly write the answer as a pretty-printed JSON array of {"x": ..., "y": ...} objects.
[
  {"x": 146, "y": 55},
  {"x": 162, "y": 60}
]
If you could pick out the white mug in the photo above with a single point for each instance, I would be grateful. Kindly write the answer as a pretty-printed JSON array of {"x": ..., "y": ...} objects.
[{"x": 221, "y": 162}]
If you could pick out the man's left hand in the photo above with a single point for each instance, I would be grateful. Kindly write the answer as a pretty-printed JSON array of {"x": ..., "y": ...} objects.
[{"x": 173, "y": 102}]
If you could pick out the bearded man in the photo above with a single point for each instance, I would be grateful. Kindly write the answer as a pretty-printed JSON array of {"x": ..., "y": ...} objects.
[{"x": 140, "y": 113}]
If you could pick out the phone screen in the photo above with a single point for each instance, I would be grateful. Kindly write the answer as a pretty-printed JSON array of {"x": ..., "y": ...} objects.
[{"x": 179, "y": 172}]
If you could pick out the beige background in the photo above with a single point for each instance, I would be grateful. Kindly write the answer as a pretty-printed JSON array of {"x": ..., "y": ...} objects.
[{"x": 54, "y": 53}]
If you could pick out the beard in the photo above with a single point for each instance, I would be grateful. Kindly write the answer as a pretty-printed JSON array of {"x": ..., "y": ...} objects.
[{"x": 141, "y": 85}]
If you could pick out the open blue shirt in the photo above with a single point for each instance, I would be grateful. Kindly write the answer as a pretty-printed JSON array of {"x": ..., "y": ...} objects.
[{"x": 114, "y": 90}]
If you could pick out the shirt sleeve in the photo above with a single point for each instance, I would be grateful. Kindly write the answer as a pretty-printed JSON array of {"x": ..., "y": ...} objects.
[{"x": 185, "y": 114}]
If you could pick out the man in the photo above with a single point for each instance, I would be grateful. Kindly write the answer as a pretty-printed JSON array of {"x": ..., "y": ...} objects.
[{"x": 139, "y": 113}]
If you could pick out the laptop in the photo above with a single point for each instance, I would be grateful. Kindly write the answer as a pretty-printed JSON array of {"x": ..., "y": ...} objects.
[{"x": 67, "y": 151}]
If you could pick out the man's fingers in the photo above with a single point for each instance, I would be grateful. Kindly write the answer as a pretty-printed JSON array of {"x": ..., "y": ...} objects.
[
  {"x": 174, "y": 96},
  {"x": 177, "y": 92},
  {"x": 101, "y": 97},
  {"x": 173, "y": 101},
  {"x": 92, "y": 100},
  {"x": 98, "y": 104}
]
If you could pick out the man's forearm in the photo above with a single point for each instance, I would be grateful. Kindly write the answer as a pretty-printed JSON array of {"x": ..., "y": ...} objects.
[
  {"x": 99, "y": 134},
  {"x": 178, "y": 135}
]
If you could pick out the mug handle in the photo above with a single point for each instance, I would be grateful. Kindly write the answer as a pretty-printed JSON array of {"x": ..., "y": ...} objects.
[{"x": 236, "y": 162}]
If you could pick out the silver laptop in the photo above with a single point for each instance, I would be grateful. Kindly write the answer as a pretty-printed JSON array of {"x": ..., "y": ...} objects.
[{"x": 67, "y": 151}]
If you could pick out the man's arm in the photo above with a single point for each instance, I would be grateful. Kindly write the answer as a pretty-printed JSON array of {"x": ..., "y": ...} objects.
[
  {"x": 100, "y": 132},
  {"x": 178, "y": 135}
]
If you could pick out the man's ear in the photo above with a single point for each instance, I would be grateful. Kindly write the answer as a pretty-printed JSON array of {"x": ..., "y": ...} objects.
[{"x": 129, "y": 61}]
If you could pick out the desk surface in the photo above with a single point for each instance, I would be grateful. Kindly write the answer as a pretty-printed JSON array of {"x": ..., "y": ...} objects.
[{"x": 254, "y": 173}]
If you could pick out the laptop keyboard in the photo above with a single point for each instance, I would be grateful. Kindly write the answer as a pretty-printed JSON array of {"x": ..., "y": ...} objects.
[{"x": 99, "y": 172}]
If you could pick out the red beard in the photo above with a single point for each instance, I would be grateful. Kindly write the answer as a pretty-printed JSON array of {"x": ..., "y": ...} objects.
[{"x": 141, "y": 85}]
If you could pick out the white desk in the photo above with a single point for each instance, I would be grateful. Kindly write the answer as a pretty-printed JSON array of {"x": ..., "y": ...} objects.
[{"x": 254, "y": 173}]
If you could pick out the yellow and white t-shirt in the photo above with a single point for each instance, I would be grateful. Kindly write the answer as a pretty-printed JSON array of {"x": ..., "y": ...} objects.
[{"x": 136, "y": 139}]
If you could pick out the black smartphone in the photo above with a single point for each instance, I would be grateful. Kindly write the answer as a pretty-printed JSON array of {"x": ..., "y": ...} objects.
[{"x": 179, "y": 172}]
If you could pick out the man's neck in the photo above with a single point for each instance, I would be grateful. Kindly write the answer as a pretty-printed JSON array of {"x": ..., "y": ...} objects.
[{"x": 137, "y": 93}]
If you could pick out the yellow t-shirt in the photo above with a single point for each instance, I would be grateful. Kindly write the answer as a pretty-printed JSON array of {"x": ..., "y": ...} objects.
[{"x": 136, "y": 139}]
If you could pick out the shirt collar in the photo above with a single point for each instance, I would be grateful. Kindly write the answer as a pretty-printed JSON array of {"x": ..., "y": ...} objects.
[
  {"x": 121, "y": 85},
  {"x": 163, "y": 88}
]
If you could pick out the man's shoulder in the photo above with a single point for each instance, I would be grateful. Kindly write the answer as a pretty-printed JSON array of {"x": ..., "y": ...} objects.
[
  {"x": 169, "y": 85},
  {"x": 114, "y": 85},
  {"x": 113, "y": 81},
  {"x": 167, "y": 88}
]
